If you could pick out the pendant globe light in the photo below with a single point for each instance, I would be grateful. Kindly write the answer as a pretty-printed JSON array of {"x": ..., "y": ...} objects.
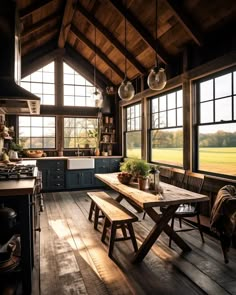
[
  {"x": 157, "y": 76},
  {"x": 96, "y": 94},
  {"x": 126, "y": 89}
]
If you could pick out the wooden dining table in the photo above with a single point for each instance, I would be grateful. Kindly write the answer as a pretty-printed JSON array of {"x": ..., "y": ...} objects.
[{"x": 171, "y": 197}]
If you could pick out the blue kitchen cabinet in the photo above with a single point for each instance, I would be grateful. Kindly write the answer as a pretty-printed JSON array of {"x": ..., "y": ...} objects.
[
  {"x": 77, "y": 179},
  {"x": 53, "y": 174}
]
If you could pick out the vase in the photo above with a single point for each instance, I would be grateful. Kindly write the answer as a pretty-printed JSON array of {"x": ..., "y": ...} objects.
[
  {"x": 142, "y": 183},
  {"x": 97, "y": 152}
]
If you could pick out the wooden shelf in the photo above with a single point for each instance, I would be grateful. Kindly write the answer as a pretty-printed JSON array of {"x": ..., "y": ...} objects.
[{"x": 102, "y": 142}]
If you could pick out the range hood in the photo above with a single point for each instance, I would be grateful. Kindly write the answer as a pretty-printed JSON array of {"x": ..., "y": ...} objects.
[{"x": 13, "y": 98}]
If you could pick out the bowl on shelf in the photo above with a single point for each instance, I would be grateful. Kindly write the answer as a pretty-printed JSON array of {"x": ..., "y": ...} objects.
[
  {"x": 34, "y": 153},
  {"x": 124, "y": 177}
]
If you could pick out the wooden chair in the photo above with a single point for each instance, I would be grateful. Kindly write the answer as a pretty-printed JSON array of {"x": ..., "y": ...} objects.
[
  {"x": 194, "y": 182},
  {"x": 165, "y": 174},
  {"x": 177, "y": 177}
]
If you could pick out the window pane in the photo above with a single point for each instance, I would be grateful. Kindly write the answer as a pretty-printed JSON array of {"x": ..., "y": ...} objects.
[
  {"x": 171, "y": 118},
  {"x": 179, "y": 98},
  {"x": 155, "y": 123},
  {"x": 36, "y": 88},
  {"x": 162, "y": 120},
  {"x": 68, "y": 79},
  {"x": 49, "y": 143},
  {"x": 49, "y": 68},
  {"x": 155, "y": 105},
  {"x": 37, "y": 121},
  {"x": 133, "y": 144},
  {"x": 217, "y": 148},
  {"x": 180, "y": 117},
  {"x": 206, "y": 90},
  {"x": 36, "y": 143},
  {"x": 206, "y": 112},
  {"x": 223, "y": 86},
  {"x": 48, "y": 99},
  {"x": 69, "y": 90},
  {"x": 223, "y": 109},
  {"x": 48, "y": 78},
  {"x": 69, "y": 100},
  {"x": 48, "y": 88},
  {"x": 167, "y": 146},
  {"x": 24, "y": 121},
  {"x": 36, "y": 77},
  {"x": 24, "y": 132},
  {"x": 162, "y": 101},
  {"x": 171, "y": 101}
]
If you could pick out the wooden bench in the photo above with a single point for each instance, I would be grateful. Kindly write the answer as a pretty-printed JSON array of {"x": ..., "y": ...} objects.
[{"x": 115, "y": 216}]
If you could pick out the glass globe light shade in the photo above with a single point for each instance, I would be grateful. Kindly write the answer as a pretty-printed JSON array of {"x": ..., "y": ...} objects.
[
  {"x": 157, "y": 79},
  {"x": 126, "y": 90},
  {"x": 98, "y": 98}
]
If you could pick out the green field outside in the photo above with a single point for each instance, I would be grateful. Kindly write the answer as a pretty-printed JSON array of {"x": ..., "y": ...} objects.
[{"x": 217, "y": 160}]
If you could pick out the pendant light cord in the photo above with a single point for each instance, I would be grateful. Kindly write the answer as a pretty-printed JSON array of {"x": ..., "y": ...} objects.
[
  {"x": 157, "y": 61},
  {"x": 125, "y": 40},
  {"x": 95, "y": 51}
]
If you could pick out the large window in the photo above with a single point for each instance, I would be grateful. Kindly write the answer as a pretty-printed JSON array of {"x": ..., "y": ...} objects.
[
  {"x": 167, "y": 129},
  {"x": 37, "y": 132},
  {"x": 77, "y": 90},
  {"x": 216, "y": 123},
  {"x": 133, "y": 131},
  {"x": 78, "y": 131},
  {"x": 41, "y": 83}
]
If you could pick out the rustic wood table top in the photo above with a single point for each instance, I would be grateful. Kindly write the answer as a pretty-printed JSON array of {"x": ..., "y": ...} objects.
[{"x": 172, "y": 195}]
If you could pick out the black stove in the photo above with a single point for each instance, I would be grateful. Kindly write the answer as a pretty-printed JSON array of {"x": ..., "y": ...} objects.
[{"x": 16, "y": 172}]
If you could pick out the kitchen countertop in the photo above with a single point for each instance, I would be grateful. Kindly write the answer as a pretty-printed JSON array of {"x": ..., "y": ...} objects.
[
  {"x": 75, "y": 157},
  {"x": 18, "y": 187}
]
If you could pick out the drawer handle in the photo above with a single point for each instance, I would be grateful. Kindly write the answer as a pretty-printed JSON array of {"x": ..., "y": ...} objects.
[
  {"x": 58, "y": 169},
  {"x": 58, "y": 184}
]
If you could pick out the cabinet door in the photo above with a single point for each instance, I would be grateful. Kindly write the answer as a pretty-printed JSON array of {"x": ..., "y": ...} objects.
[
  {"x": 114, "y": 165},
  {"x": 101, "y": 166},
  {"x": 87, "y": 178},
  {"x": 76, "y": 179}
]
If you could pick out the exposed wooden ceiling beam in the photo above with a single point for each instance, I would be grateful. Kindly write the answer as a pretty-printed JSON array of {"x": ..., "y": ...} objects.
[
  {"x": 92, "y": 46},
  {"x": 185, "y": 21},
  {"x": 111, "y": 38},
  {"x": 69, "y": 11},
  {"x": 146, "y": 36},
  {"x": 32, "y": 8},
  {"x": 40, "y": 35},
  {"x": 39, "y": 25}
]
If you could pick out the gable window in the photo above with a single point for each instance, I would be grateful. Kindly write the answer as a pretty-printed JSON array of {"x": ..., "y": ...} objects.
[
  {"x": 42, "y": 84},
  {"x": 77, "y": 90},
  {"x": 37, "y": 132},
  {"x": 167, "y": 128},
  {"x": 77, "y": 132},
  {"x": 133, "y": 131},
  {"x": 216, "y": 123}
]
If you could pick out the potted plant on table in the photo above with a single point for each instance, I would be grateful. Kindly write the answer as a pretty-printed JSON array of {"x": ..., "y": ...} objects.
[{"x": 141, "y": 170}]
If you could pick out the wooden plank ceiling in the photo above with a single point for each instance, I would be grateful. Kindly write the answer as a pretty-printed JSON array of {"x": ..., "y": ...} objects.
[{"x": 70, "y": 24}]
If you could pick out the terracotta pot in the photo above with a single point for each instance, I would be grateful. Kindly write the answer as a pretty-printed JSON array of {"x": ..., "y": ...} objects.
[
  {"x": 142, "y": 183},
  {"x": 97, "y": 152}
]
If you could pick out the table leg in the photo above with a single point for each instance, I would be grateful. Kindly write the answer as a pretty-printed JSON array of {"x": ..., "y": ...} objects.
[
  {"x": 161, "y": 223},
  {"x": 135, "y": 206}
]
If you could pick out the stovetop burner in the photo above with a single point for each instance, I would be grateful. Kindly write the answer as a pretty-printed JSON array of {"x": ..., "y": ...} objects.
[{"x": 17, "y": 172}]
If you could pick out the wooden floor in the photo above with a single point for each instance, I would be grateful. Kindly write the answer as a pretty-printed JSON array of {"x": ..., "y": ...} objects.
[{"x": 73, "y": 260}]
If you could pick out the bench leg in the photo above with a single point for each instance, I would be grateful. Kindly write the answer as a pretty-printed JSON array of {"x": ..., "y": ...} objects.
[
  {"x": 96, "y": 216},
  {"x": 112, "y": 239},
  {"x": 91, "y": 210},
  {"x": 132, "y": 236},
  {"x": 104, "y": 231}
]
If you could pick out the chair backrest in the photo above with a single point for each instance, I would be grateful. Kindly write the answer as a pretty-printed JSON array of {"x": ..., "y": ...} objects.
[
  {"x": 194, "y": 181},
  {"x": 178, "y": 176},
  {"x": 165, "y": 174}
]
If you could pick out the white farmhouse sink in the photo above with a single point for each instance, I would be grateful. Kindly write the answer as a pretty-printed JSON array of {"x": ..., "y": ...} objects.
[{"x": 80, "y": 163}]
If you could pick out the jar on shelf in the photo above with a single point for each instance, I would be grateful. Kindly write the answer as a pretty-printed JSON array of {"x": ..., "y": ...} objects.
[{"x": 111, "y": 120}]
